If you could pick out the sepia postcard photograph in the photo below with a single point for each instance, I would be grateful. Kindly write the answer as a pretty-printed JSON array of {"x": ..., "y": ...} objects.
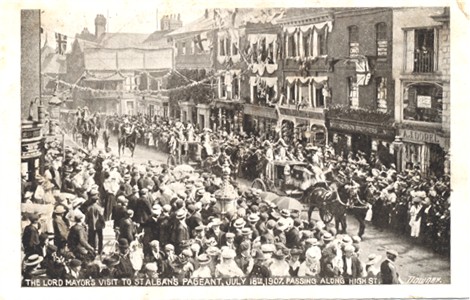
[{"x": 235, "y": 150}]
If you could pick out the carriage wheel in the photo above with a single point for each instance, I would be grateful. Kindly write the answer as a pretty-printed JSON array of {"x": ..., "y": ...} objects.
[
  {"x": 325, "y": 215},
  {"x": 171, "y": 161},
  {"x": 259, "y": 184}
]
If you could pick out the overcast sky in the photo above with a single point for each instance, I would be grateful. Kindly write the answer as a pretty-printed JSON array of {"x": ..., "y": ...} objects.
[{"x": 142, "y": 19}]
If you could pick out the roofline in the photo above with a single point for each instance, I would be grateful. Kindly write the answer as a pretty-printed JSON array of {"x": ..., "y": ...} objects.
[
  {"x": 360, "y": 11},
  {"x": 127, "y": 48},
  {"x": 314, "y": 18}
]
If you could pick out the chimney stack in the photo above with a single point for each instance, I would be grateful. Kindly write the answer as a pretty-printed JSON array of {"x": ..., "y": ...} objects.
[{"x": 100, "y": 25}]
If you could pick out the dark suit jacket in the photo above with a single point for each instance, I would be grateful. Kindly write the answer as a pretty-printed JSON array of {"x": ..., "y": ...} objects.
[
  {"x": 127, "y": 230},
  {"x": 293, "y": 238},
  {"x": 389, "y": 273},
  {"x": 77, "y": 239},
  {"x": 30, "y": 241},
  {"x": 94, "y": 217},
  {"x": 119, "y": 213},
  {"x": 181, "y": 233},
  {"x": 356, "y": 267},
  {"x": 194, "y": 221},
  {"x": 142, "y": 210}
]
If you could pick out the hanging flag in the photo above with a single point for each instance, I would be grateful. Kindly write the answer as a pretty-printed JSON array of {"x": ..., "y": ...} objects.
[
  {"x": 362, "y": 71},
  {"x": 61, "y": 46}
]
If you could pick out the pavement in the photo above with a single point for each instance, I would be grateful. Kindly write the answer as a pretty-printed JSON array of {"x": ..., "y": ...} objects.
[{"x": 415, "y": 264}]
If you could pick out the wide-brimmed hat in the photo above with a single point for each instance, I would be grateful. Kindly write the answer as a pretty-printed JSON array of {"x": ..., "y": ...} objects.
[
  {"x": 312, "y": 253},
  {"x": 285, "y": 213},
  {"x": 239, "y": 223},
  {"x": 253, "y": 218},
  {"x": 215, "y": 222},
  {"x": 268, "y": 248},
  {"x": 33, "y": 260},
  {"x": 347, "y": 239},
  {"x": 246, "y": 231},
  {"x": 213, "y": 251},
  {"x": 372, "y": 259},
  {"x": 60, "y": 209},
  {"x": 181, "y": 213},
  {"x": 296, "y": 251},
  {"x": 229, "y": 235},
  {"x": 203, "y": 259},
  {"x": 279, "y": 254},
  {"x": 151, "y": 267},
  {"x": 392, "y": 252},
  {"x": 312, "y": 242},
  {"x": 328, "y": 237},
  {"x": 282, "y": 225}
]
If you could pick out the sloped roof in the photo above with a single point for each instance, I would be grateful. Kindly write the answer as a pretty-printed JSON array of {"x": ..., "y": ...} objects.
[
  {"x": 51, "y": 62},
  {"x": 201, "y": 24},
  {"x": 121, "y": 40},
  {"x": 127, "y": 59},
  {"x": 301, "y": 13},
  {"x": 83, "y": 44}
]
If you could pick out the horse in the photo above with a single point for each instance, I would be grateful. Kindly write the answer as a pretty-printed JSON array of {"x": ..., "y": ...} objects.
[
  {"x": 331, "y": 205},
  {"x": 129, "y": 141},
  {"x": 94, "y": 134}
]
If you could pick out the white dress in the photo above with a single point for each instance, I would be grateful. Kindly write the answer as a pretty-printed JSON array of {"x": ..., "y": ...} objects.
[{"x": 415, "y": 224}]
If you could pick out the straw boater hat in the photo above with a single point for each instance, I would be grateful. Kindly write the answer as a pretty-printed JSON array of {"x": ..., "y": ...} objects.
[
  {"x": 372, "y": 259},
  {"x": 246, "y": 231},
  {"x": 213, "y": 251},
  {"x": 239, "y": 223},
  {"x": 285, "y": 213},
  {"x": 181, "y": 214},
  {"x": 392, "y": 252},
  {"x": 33, "y": 260},
  {"x": 59, "y": 209},
  {"x": 253, "y": 218},
  {"x": 151, "y": 267},
  {"x": 203, "y": 259},
  {"x": 281, "y": 225}
]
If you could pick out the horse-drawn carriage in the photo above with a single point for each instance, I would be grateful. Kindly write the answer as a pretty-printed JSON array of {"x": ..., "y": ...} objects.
[{"x": 286, "y": 178}]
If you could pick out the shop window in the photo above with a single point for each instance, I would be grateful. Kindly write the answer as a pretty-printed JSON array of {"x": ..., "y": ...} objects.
[
  {"x": 353, "y": 40},
  {"x": 381, "y": 38},
  {"x": 423, "y": 102},
  {"x": 353, "y": 92},
  {"x": 381, "y": 87}
]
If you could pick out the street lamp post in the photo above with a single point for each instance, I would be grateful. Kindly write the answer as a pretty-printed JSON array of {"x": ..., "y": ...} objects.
[{"x": 397, "y": 147}]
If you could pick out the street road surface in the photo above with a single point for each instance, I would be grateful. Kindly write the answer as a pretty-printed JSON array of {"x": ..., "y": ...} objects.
[{"x": 415, "y": 263}]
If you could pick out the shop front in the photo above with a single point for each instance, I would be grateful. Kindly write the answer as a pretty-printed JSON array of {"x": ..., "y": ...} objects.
[
  {"x": 259, "y": 120},
  {"x": 425, "y": 149},
  {"x": 227, "y": 116},
  {"x": 350, "y": 137},
  {"x": 32, "y": 149},
  {"x": 308, "y": 125}
]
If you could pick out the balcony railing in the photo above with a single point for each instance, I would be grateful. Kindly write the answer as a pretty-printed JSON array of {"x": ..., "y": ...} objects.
[{"x": 424, "y": 61}]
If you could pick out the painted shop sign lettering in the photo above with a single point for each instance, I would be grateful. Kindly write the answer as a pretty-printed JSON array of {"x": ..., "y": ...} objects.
[
  {"x": 301, "y": 113},
  {"x": 360, "y": 128},
  {"x": 420, "y": 136},
  {"x": 424, "y": 101}
]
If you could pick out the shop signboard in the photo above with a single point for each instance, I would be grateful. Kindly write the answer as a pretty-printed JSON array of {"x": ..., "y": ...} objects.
[
  {"x": 362, "y": 128},
  {"x": 424, "y": 101}
]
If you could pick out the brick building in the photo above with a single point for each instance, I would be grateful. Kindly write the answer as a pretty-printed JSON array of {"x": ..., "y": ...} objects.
[
  {"x": 421, "y": 59},
  {"x": 360, "y": 117}
]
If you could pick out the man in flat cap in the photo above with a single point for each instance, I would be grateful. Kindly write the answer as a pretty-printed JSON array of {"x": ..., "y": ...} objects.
[{"x": 388, "y": 269}]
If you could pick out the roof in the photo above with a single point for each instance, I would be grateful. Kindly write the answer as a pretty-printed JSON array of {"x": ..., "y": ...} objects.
[
  {"x": 157, "y": 35},
  {"x": 127, "y": 59},
  {"x": 53, "y": 63},
  {"x": 121, "y": 40},
  {"x": 299, "y": 14},
  {"x": 83, "y": 44},
  {"x": 201, "y": 24}
]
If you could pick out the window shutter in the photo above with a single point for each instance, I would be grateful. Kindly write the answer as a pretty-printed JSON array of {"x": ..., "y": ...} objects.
[{"x": 410, "y": 49}]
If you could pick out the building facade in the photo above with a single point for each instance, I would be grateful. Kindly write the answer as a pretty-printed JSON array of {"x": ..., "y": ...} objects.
[
  {"x": 360, "y": 115},
  {"x": 421, "y": 41}
]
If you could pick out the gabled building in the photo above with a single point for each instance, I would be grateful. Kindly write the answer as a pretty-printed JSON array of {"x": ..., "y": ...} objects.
[
  {"x": 421, "y": 70},
  {"x": 115, "y": 72}
]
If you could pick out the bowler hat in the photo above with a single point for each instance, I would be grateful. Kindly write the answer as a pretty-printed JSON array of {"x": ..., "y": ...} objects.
[{"x": 123, "y": 243}]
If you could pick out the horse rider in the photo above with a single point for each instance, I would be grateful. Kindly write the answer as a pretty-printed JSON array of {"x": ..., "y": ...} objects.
[
  {"x": 126, "y": 128},
  {"x": 206, "y": 141}
]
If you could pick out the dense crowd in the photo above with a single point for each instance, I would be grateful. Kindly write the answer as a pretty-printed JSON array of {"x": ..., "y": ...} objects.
[{"x": 167, "y": 222}]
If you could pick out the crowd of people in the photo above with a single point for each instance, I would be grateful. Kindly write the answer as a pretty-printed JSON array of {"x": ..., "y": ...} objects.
[{"x": 168, "y": 223}]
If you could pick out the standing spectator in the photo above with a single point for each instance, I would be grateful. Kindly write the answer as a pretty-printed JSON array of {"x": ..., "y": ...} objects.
[
  {"x": 181, "y": 230},
  {"x": 352, "y": 265},
  {"x": 30, "y": 237},
  {"x": 388, "y": 269},
  {"x": 415, "y": 220},
  {"x": 61, "y": 230},
  {"x": 95, "y": 222},
  {"x": 127, "y": 229}
]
